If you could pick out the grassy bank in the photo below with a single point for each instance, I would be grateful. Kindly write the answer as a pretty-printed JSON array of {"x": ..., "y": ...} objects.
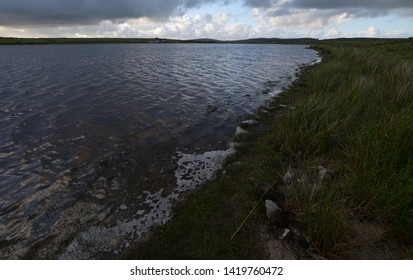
[
  {"x": 355, "y": 120},
  {"x": 344, "y": 134}
]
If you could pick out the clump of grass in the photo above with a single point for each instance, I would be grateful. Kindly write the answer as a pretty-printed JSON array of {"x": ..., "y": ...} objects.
[
  {"x": 357, "y": 113},
  {"x": 316, "y": 205}
]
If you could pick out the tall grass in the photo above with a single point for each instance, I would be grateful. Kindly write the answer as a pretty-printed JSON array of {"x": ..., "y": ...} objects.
[
  {"x": 357, "y": 116},
  {"x": 316, "y": 205}
]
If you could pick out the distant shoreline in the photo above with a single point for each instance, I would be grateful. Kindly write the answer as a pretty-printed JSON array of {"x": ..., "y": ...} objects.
[
  {"x": 48, "y": 41},
  {"x": 59, "y": 41}
]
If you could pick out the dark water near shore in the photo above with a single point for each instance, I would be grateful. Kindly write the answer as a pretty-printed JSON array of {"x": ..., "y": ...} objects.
[{"x": 93, "y": 136}]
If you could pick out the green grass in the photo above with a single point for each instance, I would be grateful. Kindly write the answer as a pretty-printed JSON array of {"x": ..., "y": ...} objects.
[{"x": 357, "y": 120}]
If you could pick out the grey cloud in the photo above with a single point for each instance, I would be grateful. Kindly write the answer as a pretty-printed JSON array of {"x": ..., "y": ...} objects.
[
  {"x": 261, "y": 3},
  {"x": 357, "y": 8},
  {"x": 361, "y": 4},
  {"x": 76, "y": 12},
  {"x": 332, "y": 4}
]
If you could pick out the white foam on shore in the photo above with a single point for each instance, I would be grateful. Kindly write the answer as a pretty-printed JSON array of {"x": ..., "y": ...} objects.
[
  {"x": 195, "y": 169},
  {"x": 117, "y": 238}
]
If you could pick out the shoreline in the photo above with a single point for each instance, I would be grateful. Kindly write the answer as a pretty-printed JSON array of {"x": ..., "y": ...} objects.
[
  {"x": 326, "y": 221},
  {"x": 92, "y": 234},
  {"x": 232, "y": 164},
  {"x": 58, "y": 41}
]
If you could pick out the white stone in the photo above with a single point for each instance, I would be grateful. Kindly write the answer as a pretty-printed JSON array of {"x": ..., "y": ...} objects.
[{"x": 272, "y": 208}]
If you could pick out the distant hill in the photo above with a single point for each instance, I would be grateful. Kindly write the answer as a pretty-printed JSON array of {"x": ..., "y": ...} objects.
[
  {"x": 305, "y": 41},
  {"x": 30, "y": 41},
  {"x": 46, "y": 41},
  {"x": 203, "y": 40}
]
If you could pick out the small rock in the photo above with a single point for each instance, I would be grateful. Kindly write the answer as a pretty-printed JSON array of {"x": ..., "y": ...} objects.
[
  {"x": 250, "y": 122},
  {"x": 99, "y": 195},
  {"x": 285, "y": 232},
  {"x": 211, "y": 109},
  {"x": 274, "y": 212},
  {"x": 239, "y": 131},
  {"x": 123, "y": 206}
]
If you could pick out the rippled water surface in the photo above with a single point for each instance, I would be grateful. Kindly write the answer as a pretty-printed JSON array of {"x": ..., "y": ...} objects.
[{"x": 96, "y": 139}]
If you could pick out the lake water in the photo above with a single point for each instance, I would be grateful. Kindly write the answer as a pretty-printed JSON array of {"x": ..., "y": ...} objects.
[{"x": 97, "y": 142}]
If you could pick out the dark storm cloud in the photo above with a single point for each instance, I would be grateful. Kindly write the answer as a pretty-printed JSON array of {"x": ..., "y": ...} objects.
[
  {"x": 333, "y": 4},
  {"x": 362, "y": 4},
  {"x": 69, "y": 12},
  {"x": 260, "y": 3},
  {"x": 357, "y": 8},
  {"x": 81, "y": 12}
]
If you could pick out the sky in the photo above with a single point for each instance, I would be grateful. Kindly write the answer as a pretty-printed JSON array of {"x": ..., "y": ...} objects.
[{"x": 218, "y": 19}]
